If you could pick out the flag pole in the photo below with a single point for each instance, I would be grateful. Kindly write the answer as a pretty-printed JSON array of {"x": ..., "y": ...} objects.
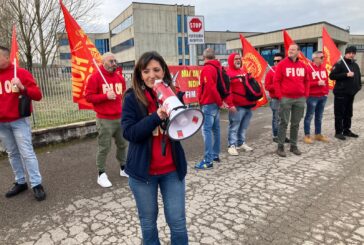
[
  {"x": 102, "y": 75},
  {"x": 318, "y": 75},
  {"x": 347, "y": 67},
  {"x": 270, "y": 68}
]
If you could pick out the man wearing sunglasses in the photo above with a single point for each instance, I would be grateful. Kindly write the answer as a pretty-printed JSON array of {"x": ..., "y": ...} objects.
[
  {"x": 274, "y": 101},
  {"x": 106, "y": 98},
  {"x": 319, "y": 89},
  {"x": 348, "y": 83}
]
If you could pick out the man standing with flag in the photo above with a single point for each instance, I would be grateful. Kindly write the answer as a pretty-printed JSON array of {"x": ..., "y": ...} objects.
[
  {"x": 104, "y": 90},
  {"x": 274, "y": 101},
  {"x": 291, "y": 87},
  {"x": 319, "y": 89},
  {"x": 15, "y": 131},
  {"x": 348, "y": 82}
]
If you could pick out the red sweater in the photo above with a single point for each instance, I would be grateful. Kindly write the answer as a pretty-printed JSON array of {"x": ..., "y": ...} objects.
[
  {"x": 96, "y": 91},
  {"x": 207, "y": 91},
  {"x": 237, "y": 89},
  {"x": 268, "y": 83},
  {"x": 317, "y": 90},
  {"x": 159, "y": 164},
  {"x": 9, "y": 100},
  {"x": 291, "y": 79}
]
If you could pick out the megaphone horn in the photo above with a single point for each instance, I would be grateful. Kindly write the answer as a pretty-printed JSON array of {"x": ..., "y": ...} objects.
[{"x": 183, "y": 122}]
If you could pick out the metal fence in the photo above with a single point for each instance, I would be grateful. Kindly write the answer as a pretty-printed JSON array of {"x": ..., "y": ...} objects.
[{"x": 57, "y": 107}]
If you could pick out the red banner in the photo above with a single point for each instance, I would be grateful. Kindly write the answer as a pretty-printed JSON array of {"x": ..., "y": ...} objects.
[
  {"x": 331, "y": 53},
  {"x": 287, "y": 42},
  {"x": 83, "y": 52},
  {"x": 187, "y": 79},
  {"x": 256, "y": 65},
  {"x": 14, "y": 53}
]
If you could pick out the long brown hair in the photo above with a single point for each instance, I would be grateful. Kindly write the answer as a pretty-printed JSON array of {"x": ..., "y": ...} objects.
[{"x": 138, "y": 83}]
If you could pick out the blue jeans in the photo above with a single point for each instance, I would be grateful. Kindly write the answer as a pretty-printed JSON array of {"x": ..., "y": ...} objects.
[
  {"x": 315, "y": 105},
  {"x": 211, "y": 128},
  {"x": 238, "y": 125},
  {"x": 16, "y": 137},
  {"x": 173, "y": 195},
  {"x": 274, "y": 105}
]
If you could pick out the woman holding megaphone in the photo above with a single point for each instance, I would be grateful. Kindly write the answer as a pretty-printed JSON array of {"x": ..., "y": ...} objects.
[{"x": 154, "y": 161}]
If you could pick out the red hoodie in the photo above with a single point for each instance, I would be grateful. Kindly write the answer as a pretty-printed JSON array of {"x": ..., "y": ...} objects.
[
  {"x": 159, "y": 164},
  {"x": 291, "y": 79},
  {"x": 268, "y": 82},
  {"x": 317, "y": 90},
  {"x": 207, "y": 91},
  {"x": 237, "y": 89},
  {"x": 96, "y": 91},
  {"x": 9, "y": 100}
]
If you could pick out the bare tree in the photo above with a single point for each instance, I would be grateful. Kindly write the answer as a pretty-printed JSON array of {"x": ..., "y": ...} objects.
[{"x": 38, "y": 22}]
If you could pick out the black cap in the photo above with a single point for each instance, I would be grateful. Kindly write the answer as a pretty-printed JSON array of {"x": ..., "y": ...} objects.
[{"x": 350, "y": 49}]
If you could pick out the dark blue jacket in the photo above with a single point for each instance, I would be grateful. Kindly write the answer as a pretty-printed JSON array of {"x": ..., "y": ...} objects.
[{"x": 137, "y": 129}]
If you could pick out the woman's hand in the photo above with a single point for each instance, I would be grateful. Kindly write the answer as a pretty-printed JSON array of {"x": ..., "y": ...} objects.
[{"x": 162, "y": 113}]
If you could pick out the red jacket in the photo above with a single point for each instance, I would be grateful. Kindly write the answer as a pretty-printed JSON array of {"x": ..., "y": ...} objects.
[
  {"x": 237, "y": 89},
  {"x": 317, "y": 90},
  {"x": 9, "y": 100},
  {"x": 159, "y": 164},
  {"x": 207, "y": 91},
  {"x": 96, "y": 94},
  {"x": 291, "y": 79},
  {"x": 268, "y": 82}
]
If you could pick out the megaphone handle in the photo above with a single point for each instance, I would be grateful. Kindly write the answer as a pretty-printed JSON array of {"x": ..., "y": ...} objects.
[{"x": 164, "y": 145}]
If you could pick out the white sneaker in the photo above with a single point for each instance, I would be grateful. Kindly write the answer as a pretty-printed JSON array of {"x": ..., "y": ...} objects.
[
  {"x": 123, "y": 174},
  {"x": 103, "y": 181},
  {"x": 232, "y": 150},
  {"x": 245, "y": 147}
]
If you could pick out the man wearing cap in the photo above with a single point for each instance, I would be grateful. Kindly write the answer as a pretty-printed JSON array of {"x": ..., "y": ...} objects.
[{"x": 348, "y": 83}]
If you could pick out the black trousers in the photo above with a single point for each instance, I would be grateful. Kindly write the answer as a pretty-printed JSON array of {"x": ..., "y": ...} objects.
[{"x": 343, "y": 110}]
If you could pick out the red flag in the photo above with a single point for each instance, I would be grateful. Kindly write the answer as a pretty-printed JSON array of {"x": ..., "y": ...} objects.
[
  {"x": 331, "y": 53},
  {"x": 287, "y": 42},
  {"x": 83, "y": 51},
  {"x": 14, "y": 53},
  {"x": 254, "y": 64}
]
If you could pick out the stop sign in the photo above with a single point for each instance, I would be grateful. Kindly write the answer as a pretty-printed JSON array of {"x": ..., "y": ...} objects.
[{"x": 195, "y": 25}]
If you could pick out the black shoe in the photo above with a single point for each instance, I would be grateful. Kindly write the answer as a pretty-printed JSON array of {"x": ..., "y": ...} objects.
[
  {"x": 280, "y": 151},
  {"x": 287, "y": 140},
  {"x": 39, "y": 193},
  {"x": 217, "y": 159},
  {"x": 340, "y": 136},
  {"x": 350, "y": 134},
  {"x": 275, "y": 139},
  {"x": 295, "y": 150},
  {"x": 17, "y": 188}
]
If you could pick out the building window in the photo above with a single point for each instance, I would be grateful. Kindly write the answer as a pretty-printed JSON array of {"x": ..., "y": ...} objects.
[
  {"x": 123, "y": 46},
  {"x": 102, "y": 45},
  {"x": 187, "y": 48},
  {"x": 187, "y": 62},
  {"x": 359, "y": 47},
  {"x": 180, "y": 62},
  {"x": 185, "y": 24},
  {"x": 268, "y": 54},
  {"x": 219, "y": 48},
  {"x": 63, "y": 42},
  {"x": 65, "y": 56},
  {"x": 180, "y": 45},
  {"x": 179, "y": 23},
  {"x": 123, "y": 25},
  {"x": 308, "y": 49}
]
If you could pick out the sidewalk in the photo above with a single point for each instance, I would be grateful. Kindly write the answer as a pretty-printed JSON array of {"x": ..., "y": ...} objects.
[{"x": 255, "y": 198}]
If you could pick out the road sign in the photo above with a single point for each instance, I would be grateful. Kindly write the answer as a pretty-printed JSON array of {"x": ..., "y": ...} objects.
[{"x": 196, "y": 30}]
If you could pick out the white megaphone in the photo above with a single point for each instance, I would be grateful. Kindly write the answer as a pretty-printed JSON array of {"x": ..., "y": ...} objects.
[{"x": 183, "y": 122}]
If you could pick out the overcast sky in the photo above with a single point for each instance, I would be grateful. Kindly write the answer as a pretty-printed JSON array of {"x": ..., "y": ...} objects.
[{"x": 251, "y": 15}]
